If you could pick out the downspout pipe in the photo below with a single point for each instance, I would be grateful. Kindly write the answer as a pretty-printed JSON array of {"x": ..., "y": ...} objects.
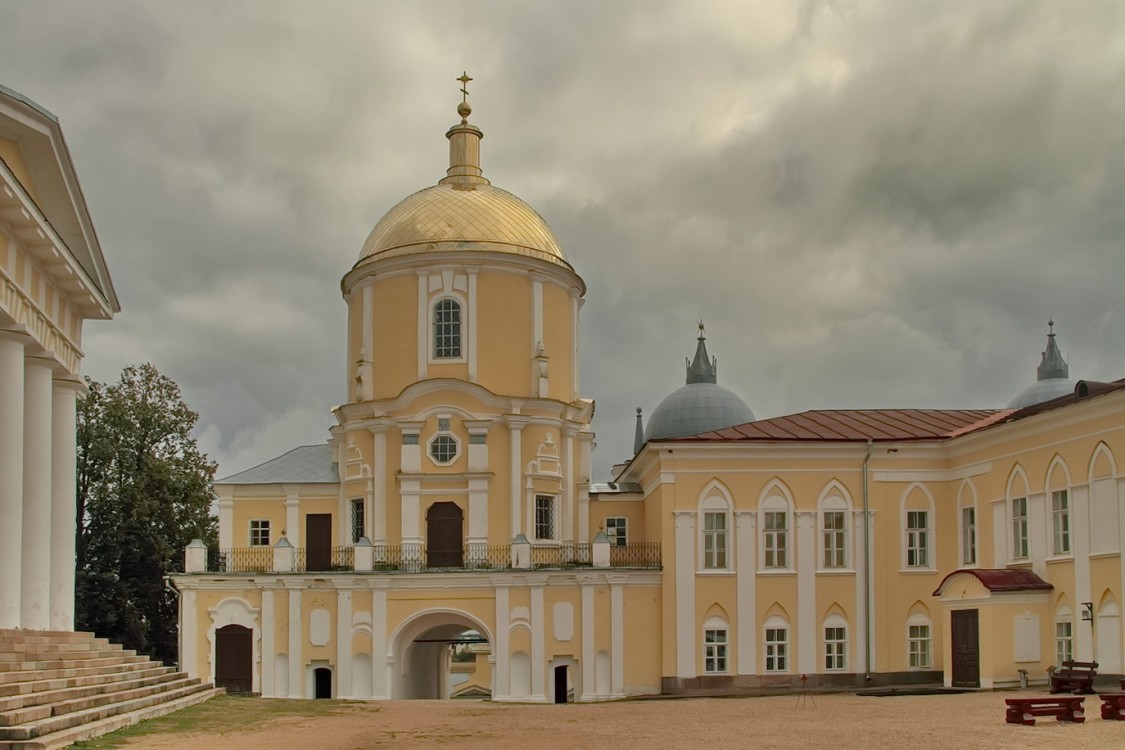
[{"x": 867, "y": 567}]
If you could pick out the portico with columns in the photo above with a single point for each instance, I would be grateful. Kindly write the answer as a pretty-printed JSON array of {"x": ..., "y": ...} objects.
[{"x": 52, "y": 278}]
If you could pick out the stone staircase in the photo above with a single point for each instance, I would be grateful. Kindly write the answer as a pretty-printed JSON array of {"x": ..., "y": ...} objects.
[{"x": 57, "y": 688}]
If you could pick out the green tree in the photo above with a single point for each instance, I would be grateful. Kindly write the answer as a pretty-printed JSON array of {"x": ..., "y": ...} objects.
[{"x": 144, "y": 492}]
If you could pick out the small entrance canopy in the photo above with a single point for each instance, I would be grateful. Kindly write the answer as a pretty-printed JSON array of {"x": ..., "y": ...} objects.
[{"x": 997, "y": 580}]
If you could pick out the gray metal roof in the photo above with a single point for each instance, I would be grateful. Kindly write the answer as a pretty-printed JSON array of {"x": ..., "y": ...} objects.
[
  {"x": 306, "y": 464},
  {"x": 614, "y": 488},
  {"x": 1052, "y": 376}
]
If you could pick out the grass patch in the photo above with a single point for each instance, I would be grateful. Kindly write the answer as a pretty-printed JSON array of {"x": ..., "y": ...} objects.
[{"x": 222, "y": 714}]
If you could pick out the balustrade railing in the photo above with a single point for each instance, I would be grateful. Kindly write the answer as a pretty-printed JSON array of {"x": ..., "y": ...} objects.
[{"x": 414, "y": 558}]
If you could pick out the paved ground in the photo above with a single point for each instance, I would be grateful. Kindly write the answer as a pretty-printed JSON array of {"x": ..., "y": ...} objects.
[{"x": 841, "y": 720}]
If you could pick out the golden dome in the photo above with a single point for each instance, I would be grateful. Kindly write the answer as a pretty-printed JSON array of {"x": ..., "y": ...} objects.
[{"x": 454, "y": 216}]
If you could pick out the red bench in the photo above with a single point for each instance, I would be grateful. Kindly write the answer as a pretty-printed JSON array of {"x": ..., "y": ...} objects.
[
  {"x": 1074, "y": 677},
  {"x": 1063, "y": 708},
  {"x": 1113, "y": 705}
]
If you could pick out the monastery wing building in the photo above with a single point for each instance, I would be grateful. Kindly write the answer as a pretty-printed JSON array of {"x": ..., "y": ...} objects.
[{"x": 451, "y": 512}]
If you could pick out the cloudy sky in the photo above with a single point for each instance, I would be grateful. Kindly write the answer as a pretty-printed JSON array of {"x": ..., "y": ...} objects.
[{"x": 870, "y": 204}]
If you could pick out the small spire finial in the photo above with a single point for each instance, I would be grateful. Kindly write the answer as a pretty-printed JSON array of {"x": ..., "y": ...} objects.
[
  {"x": 463, "y": 108},
  {"x": 1051, "y": 326},
  {"x": 702, "y": 331}
]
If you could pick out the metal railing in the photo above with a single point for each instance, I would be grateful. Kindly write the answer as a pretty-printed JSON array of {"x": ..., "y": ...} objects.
[{"x": 413, "y": 558}]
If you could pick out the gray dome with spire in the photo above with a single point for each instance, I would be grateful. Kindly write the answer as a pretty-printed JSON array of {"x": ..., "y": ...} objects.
[
  {"x": 701, "y": 405},
  {"x": 1052, "y": 376}
]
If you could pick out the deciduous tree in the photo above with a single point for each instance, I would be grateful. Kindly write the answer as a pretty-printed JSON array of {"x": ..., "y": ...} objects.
[{"x": 144, "y": 492}]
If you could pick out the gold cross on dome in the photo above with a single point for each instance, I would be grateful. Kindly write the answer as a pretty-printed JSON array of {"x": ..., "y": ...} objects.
[{"x": 464, "y": 79}]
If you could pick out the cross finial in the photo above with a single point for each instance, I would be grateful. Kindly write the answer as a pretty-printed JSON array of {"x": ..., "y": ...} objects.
[
  {"x": 701, "y": 331},
  {"x": 464, "y": 79}
]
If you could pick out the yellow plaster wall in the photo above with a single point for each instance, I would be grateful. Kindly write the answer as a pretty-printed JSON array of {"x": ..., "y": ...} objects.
[
  {"x": 642, "y": 608},
  {"x": 395, "y": 359},
  {"x": 504, "y": 345},
  {"x": 558, "y": 341},
  {"x": 12, "y": 155}
]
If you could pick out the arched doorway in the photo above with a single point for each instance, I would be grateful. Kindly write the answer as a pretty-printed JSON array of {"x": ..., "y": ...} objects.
[
  {"x": 424, "y": 650},
  {"x": 444, "y": 535},
  {"x": 234, "y": 659}
]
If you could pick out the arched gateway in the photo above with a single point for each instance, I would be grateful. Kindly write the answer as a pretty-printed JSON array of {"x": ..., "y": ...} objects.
[{"x": 421, "y": 651}]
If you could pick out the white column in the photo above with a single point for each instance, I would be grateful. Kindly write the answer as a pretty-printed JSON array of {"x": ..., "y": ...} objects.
[
  {"x": 855, "y": 554},
  {"x": 226, "y": 517},
  {"x": 1080, "y": 541},
  {"x": 11, "y": 475},
  {"x": 685, "y": 593},
  {"x": 588, "y": 652},
  {"x": 292, "y": 515},
  {"x": 515, "y": 489},
  {"x": 746, "y": 560},
  {"x": 538, "y": 638},
  {"x": 269, "y": 650},
  {"x": 617, "y": 635},
  {"x": 296, "y": 640},
  {"x": 502, "y": 666},
  {"x": 63, "y": 519},
  {"x": 568, "y": 483},
  {"x": 344, "y": 644},
  {"x": 381, "y": 671},
  {"x": 189, "y": 634},
  {"x": 35, "y": 577},
  {"x": 379, "y": 488},
  {"x": 806, "y": 592}
]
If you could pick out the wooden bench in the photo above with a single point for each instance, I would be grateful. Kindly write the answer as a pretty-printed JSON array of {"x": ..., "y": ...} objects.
[
  {"x": 1113, "y": 705},
  {"x": 1063, "y": 708},
  {"x": 1074, "y": 677}
]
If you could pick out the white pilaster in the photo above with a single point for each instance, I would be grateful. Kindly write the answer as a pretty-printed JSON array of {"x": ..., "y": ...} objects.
[
  {"x": 538, "y": 639},
  {"x": 471, "y": 325},
  {"x": 381, "y": 671},
  {"x": 685, "y": 593},
  {"x": 367, "y": 325},
  {"x": 806, "y": 592},
  {"x": 588, "y": 651},
  {"x": 63, "y": 470},
  {"x": 296, "y": 641},
  {"x": 515, "y": 486},
  {"x": 617, "y": 635},
  {"x": 1080, "y": 545},
  {"x": 189, "y": 634},
  {"x": 423, "y": 322},
  {"x": 1038, "y": 517},
  {"x": 292, "y": 515},
  {"x": 411, "y": 529},
  {"x": 35, "y": 577},
  {"x": 344, "y": 687},
  {"x": 379, "y": 487},
  {"x": 501, "y": 668},
  {"x": 855, "y": 555},
  {"x": 226, "y": 516},
  {"x": 11, "y": 475},
  {"x": 746, "y": 556},
  {"x": 269, "y": 649}
]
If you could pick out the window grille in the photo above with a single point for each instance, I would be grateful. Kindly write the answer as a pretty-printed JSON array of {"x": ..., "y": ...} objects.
[
  {"x": 358, "y": 529},
  {"x": 443, "y": 449},
  {"x": 259, "y": 533},
  {"x": 615, "y": 530},
  {"x": 447, "y": 329},
  {"x": 544, "y": 517}
]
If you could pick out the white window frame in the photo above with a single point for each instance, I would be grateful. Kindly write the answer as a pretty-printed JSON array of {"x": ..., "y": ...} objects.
[
  {"x": 919, "y": 643},
  {"x": 919, "y": 553},
  {"x": 918, "y": 543},
  {"x": 835, "y": 630},
  {"x": 1061, "y": 534},
  {"x": 716, "y": 647},
  {"x": 258, "y": 528},
  {"x": 617, "y": 529},
  {"x": 968, "y": 535},
  {"x": 775, "y": 643},
  {"x": 776, "y": 543},
  {"x": 1021, "y": 529},
  {"x": 834, "y": 547},
  {"x": 715, "y": 550},
  {"x": 462, "y": 327},
  {"x": 1064, "y": 635},
  {"x": 551, "y": 503}
]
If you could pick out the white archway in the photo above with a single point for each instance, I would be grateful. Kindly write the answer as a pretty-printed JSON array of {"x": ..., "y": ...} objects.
[{"x": 419, "y": 649}]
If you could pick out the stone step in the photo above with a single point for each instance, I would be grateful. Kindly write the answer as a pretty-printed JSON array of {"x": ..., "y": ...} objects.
[
  {"x": 13, "y": 683},
  {"x": 33, "y": 729},
  {"x": 120, "y": 694},
  {"x": 53, "y": 692},
  {"x": 122, "y": 657},
  {"x": 73, "y": 653},
  {"x": 44, "y": 635},
  {"x": 65, "y": 737}
]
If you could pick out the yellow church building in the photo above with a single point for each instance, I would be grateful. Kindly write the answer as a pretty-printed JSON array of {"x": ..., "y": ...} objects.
[{"x": 453, "y": 505}]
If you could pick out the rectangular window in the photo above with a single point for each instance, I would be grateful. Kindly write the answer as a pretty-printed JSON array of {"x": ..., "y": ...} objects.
[
  {"x": 1060, "y": 514},
  {"x": 358, "y": 529},
  {"x": 259, "y": 533},
  {"x": 834, "y": 536},
  {"x": 544, "y": 517},
  {"x": 615, "y": 530},
  {"x": 715, "y": 540},
  {"x": 715, "y": 651},
  {"x": 917, "y": 538},
  {"x": 777, "y": 649},
  {"x": 968, "y": 536},
  {"x": 447, "y": 329},
  {"x": 1019, "y": 529},
  {"x": 919, "y": 646},
  {"x": 1064, "y": 643},
  {"x": 776, "y": 539},
  {"x": 835, "y": 649}
]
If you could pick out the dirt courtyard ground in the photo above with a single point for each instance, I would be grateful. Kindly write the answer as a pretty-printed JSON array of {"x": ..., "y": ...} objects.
[{"x": 839, "y": 720}]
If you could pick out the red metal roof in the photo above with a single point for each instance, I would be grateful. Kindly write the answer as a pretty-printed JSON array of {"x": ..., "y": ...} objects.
[
  {"x": 1001, "y": 579},
  {"x": 859, "y": 425}
]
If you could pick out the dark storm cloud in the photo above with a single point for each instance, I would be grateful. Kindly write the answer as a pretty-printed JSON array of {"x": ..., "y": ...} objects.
[{"x": 868, "y": 203}]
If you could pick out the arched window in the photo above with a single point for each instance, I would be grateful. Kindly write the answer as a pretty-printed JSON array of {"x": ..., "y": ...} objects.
[
  {"x": 919, "y": 641},
  {"x": 447, "y": 329},
  {"x": 775, "y": 533},
  {"x": 833, "y": 530},
  {"x": 776, "y": 644},
  {"x": 835, "y": 643},
  {"x": 1064, "y": 634},
  {"x": 715, "y": 646},
  {"x": 715, "y": 530}
]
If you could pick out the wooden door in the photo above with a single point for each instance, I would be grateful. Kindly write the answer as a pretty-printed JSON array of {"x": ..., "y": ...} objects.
[
  {"x": 444, "y": 523},
  {"x": 318, "y": 541},
  {"x": 234, "y": 659},
  {"x": 966, "y": 648}
]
